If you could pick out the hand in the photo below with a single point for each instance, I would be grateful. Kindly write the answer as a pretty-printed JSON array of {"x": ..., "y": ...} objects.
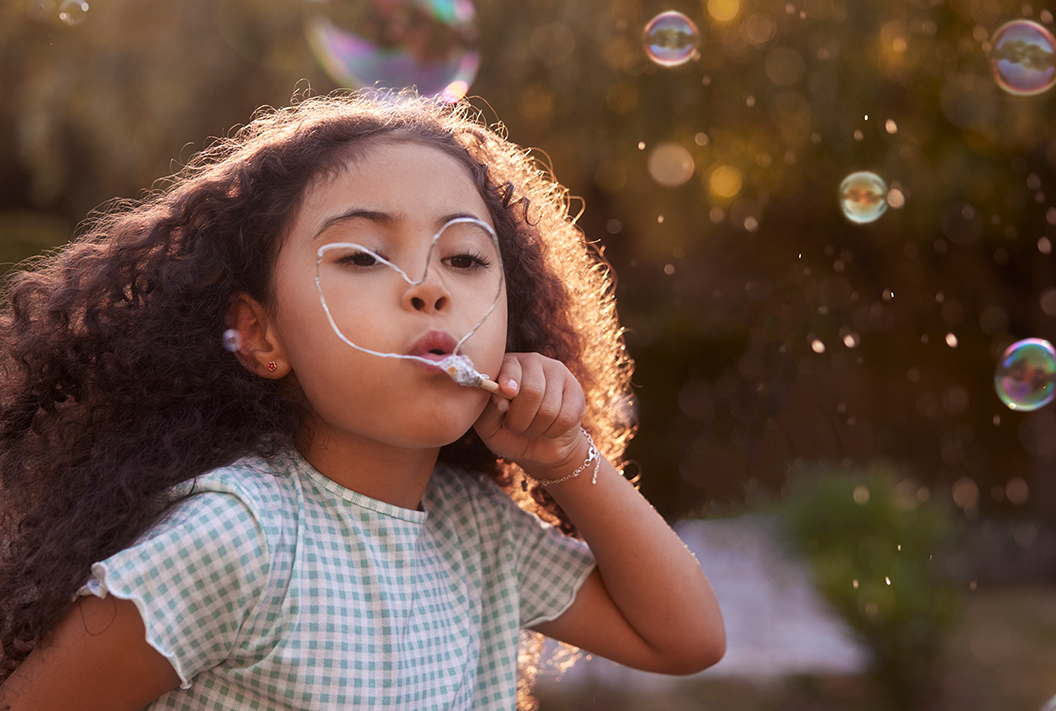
[{"x": 539, "y": 427}]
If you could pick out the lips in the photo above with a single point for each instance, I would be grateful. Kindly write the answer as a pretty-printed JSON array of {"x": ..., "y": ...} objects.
[{"x": 434, "y": 345}]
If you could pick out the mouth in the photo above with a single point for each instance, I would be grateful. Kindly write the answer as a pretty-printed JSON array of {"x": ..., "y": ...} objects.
[{"x": 434, "y": 345}]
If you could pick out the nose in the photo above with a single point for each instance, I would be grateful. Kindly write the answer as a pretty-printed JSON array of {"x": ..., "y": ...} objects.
[{"x": 428, "y": 296}]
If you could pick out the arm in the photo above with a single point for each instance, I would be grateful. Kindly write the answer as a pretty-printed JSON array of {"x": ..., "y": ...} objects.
[
  {"x": 96, "y": 658},
  {"x": 648, "y": 605}
]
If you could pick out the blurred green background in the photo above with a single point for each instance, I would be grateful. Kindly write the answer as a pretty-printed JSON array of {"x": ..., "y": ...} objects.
[{"x": 770, "y": 332}]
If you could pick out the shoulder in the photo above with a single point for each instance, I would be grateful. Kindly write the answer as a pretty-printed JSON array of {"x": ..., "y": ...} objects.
[{"x": 249, "y": 493}]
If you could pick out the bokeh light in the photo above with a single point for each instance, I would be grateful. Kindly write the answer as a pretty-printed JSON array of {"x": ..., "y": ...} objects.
[
  {"x": 670, "y": 164},
  {"x": 724, "y": 10},
  {"x": 73, "y": 12},
  {"x": 1026, "y": 375},
  {"x": 725, "y": 182},
  {"x": 671, "y": 39},
  {"x": 1023, "y": 58},
  {"x": 428, "y": 45},
  {"x": 863, "y": 197}
]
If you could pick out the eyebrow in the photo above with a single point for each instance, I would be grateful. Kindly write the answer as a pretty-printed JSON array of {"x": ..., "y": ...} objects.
[{"x": 382, "y": 218}]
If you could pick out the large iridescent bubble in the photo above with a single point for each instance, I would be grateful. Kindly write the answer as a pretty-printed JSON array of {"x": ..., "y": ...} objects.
[
  {"x": 671, "y": 39},
  {"x": 428, "y": 44},
  {"x": 863, "y": 197},
  {"x": 1023, "y": 58},
  {"x": 1026, "y": 376}
]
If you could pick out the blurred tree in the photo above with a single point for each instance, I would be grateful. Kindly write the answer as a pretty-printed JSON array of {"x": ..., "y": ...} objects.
[{"x": 767, "y": 327}]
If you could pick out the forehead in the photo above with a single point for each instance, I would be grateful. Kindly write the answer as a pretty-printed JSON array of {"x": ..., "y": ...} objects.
[{"x": 405, "y": 178}]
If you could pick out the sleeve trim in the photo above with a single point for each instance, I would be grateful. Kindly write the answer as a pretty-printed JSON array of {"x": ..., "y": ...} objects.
[
  {"x": 575, "y": 585},
  {"x": 97, "y": 586}
]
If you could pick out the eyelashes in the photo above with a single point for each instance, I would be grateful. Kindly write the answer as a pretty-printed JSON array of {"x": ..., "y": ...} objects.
[{"x": 467, "y": 261}]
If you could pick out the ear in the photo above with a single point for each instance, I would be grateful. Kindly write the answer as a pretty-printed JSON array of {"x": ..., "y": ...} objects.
[{"x": 260, "y": 351}]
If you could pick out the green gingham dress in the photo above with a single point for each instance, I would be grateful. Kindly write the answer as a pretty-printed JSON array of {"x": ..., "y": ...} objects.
[{"x": 272, "y": 587}]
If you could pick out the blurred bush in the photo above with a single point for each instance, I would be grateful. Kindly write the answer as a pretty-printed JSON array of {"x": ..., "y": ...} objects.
[{"x": 877, "y": 549}]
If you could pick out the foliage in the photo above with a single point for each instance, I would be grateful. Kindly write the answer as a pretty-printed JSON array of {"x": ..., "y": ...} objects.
[{"x": 876, "y": 549}]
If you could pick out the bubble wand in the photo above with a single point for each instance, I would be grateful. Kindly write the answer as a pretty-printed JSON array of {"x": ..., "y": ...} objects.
[{"x": 456, "y": 365}]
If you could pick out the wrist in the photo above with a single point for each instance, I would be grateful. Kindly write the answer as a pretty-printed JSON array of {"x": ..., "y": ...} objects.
[{"x": 545, "y": 476}]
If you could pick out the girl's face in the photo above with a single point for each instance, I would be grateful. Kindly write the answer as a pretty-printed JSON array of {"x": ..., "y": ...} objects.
[{"x": 391, "y": 199}]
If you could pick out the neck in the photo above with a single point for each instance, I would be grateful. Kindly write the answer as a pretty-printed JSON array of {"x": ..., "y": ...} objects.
[{"x": 384, "y": 472}]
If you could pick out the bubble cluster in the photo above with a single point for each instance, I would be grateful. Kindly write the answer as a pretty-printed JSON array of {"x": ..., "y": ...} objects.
[
  {"x": 863, "y": 197},
  {"x": 1023, "y": 58},
  {"x": 671, "y": 39},
  {"x": 1026, "y": 375},
  {"x": 428, "y": 45}
]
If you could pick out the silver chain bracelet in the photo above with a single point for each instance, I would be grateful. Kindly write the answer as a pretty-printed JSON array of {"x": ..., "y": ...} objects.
[{"x": 592, "y": 456}]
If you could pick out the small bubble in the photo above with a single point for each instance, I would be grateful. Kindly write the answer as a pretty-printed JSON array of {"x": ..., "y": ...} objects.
[
  {"x": 817, "y": 346},
  {"x": 671, "y": 39},
  {"x": 858, "y": 135},
  {"x": 887, "y": 295},
  {"x": 641, "y": 145},
  {"x": 896, "y": 198},
  {"x": 232, "y": 340},
  {"x": 749, "y": 101},
  {"x": 973, "y": 585},
  {"x": 751, "y": 224},
  {"x": 997, "y": 420},
  {"x": 863, "y": 197},
  {"x": 951, "y": 340},
  {"x": 1026, "y": 375},
  {"x": 669, "y": 269},
  {"x": 854, "y": 583},
  {"x": 887, "y": 579},
  {"x": 659, "y": 219},
  {"x": 701, "y": 139},
  {"x": 890, "y": 126},
  {"x": 614, "y": 226},
  {"x": 1044, "y": 245},
  {"x": 717, "y": 214},
  {"x": 851, "y": 340},
  {"x": 1023, "y": 58}
]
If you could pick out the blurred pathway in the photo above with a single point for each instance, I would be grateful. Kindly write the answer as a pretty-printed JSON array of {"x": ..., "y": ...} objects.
[{"x": 775, "y": 623}]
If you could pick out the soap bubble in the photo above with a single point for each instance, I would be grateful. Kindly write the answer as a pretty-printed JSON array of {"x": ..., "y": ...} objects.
[
  {"x": 427, "y": 44},
  {"x": 863, "y": 196},
  {"x": 1023, "y": 58},
  {"x": 1025, "y": 375},
  {"x": 72, "y": 12},
  {"x": 671, "y": 39},
  {"x": 232, "y": 340}
]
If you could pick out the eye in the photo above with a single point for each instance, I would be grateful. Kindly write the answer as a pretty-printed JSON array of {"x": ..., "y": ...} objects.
[
  {"x": 358, "y": 259},
  {"x": 468, "y": 262}
]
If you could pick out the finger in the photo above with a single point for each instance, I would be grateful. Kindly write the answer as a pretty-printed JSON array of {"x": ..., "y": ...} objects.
[
  {"x": 509, "y": 377},
  {"x": 531, "y": 390},
  {"x": 573, "y": 409},
  {"x": 550, "y": 405}
]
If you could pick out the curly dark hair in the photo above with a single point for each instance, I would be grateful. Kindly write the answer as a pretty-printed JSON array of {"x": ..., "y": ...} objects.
[{"x": 114, "y": 383}]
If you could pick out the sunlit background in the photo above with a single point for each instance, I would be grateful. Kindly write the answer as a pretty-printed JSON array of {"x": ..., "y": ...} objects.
[{"x": 832, "y": 222}]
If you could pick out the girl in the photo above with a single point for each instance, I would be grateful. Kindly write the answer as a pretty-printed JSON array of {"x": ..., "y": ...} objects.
[{"x": 314, "y": 517}]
